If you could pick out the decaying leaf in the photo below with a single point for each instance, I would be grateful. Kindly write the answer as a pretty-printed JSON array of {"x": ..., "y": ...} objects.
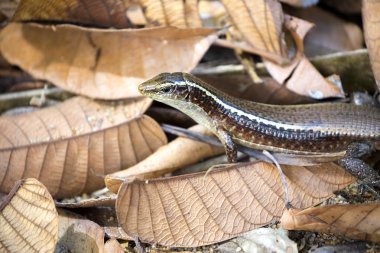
[
  {"x": 331, "y": 34},
  {"x": 359, "y": 221},
  {"x": 106, "y": 64},
  {"x": 78, "y": 234},
  {"x": 177, "y": 154},
  {"x": 69, "y": 147},
  {"x": 371, "y": 19},
  {"x": 183, "y": 14},
  {"x": 28, "y": 219},
  {"x": 103, "y": 13},
  {"x": 193, "y": 210},
  {"x": 260, "y": 23},
  {"x": 301, "y": 76}
]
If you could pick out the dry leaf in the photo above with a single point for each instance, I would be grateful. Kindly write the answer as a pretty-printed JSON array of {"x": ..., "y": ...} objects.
[
  {"x": 260, "y": 23},
  {"x": 371, "y": 20},
  {"x": 106, "y": 64},
  {"x": 166, "y": 159},
  {"x": 359, "y": 221},
  {"x": 194, "y": 210},
  {"x": 113, "y": 246},
  {"x": 84, "y": 203},
  {"x": 331, "y": 34},
  {"x": 183, "y": 14},
  {"x": 101, "y": 13},
  {"x": 78, "y": 234},
  {"x": 28, "y": 219},
  {"x": 70, "y": 146},
  {"x": 304, "y": 77}
]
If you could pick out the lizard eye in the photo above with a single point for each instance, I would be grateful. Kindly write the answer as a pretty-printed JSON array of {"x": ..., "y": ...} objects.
[{"x": 166, "y": 89}]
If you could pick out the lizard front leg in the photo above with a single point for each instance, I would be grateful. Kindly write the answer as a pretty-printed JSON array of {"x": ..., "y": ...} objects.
[{"x": 229, "y": 146}]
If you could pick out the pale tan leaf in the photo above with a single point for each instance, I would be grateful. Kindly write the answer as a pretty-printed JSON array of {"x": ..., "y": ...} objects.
[
  {"x": 113, "y": 246},
  {"x": 260, "y": 23},
  {"x": 103, "y": 13},
  {"x": 371, "y": 20},
  {"x": 106, "y": 64},
  {"x": 166, "y": 159},
  {"x": 358, "y": 221},
  {"x": 307, "y": 81},
  {"x": 78, "y": 234},
  {"x": 177, "y": 13},
  {"x": 195, "y": 210},
  {"x": 28, "y": 219},
  {"x": 69, "y": 146}
]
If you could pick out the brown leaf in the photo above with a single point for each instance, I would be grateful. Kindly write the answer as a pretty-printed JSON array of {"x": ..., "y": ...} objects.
[
  {"x": 113, "y": 246},
  {"x": 301, "y": 76},
  {"x": 106, "y": 64},
  {"x": 195, "y": 210},
  {"x": 331, "y": 34},
  {"x": 163, "y": 161},
  {"x": 183, "y": 14},
  {"x": 260, "y": 23},
  {"x": 101, "y": 13},
  {"x": 69, "y": 146},
  {"x": 85, "y": 203},
  {"x": 28, "y": 219},
  {"x": 78, "y": 234},
  {"x": 371, "y": 20},
  {"x": 359, "y": 221}
]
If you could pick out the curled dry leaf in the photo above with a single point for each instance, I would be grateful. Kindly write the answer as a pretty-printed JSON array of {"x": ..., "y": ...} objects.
[
  {"x": 77, "y": 234},
  {"x": 260, "y": 23},
  {"x": 106, "y": 64},
  {"x": 102, "y": 201},
  {"x": 103, "y": 13},
  {"x": 359, "y": 221},
  {"x": 371, "y": 19},
  {"x": 183, "y": 14},
  {"x": 70, "y": 146},
  {"x": 194, "y": 210},
  {"x": 301, "y": 76},
  {"x": 166, "y": 159},
  {"x": 28, "y": 219}
]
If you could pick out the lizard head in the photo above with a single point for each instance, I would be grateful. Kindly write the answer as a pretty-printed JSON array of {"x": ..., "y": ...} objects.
[{"x": 166, "y": 87}]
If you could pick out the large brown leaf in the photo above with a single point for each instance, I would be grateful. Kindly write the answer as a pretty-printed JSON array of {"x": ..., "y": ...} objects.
[
  {"x": 104, "y": 13},
  {"x": 260, "y": 23},
  {"x": 106, "y": 64},
  {"x": 360, "y": 221},
  {"x": 371, "y": 19},
  {"x": 28, "y": 219},
  {"x": 195, "y": 209},
  {"x": 69, "y": 146}
]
